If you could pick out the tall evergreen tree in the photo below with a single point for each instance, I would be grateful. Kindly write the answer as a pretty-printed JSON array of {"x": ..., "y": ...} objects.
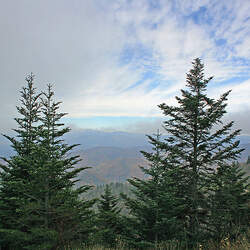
[
  {"x": 54, "y": 175},
  {"x": 39, "y": 180},
  {"x": 194, "y": 148},
  {"x": 16, "y": 173},
  {"x": 196, "y": 145}
]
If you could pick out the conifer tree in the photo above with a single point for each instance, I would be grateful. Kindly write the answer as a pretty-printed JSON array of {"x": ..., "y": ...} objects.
[
  {"x": 62, "y": 217},
  {"x": 195, "y": 144},
  {"x": 230, "y": 210},
  {"x": 194, "y": 148},
  {"x": 40, "y": 205},
  {"x": 155, "y": 207},
  {"x": 109, "y": 219},
  {"x": 15, "y": 173}
]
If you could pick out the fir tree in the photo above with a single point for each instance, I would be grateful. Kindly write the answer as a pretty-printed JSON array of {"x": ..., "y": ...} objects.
[
  {"x": 40, "y": 203},
  {"x": 194, "y": 148},
  {"x": 195, "y": 144},
  {"x": 109, "y": 219},
  {"x": 155, "y": 206},
  {"x": 15, "y": 173},
  {"x": 230, "y": 211},
  {"x": 62, "y": 215}
]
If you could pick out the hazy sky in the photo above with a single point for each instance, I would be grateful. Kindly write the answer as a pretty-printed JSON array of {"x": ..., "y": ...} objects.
[{"x": 113, "y": 61}]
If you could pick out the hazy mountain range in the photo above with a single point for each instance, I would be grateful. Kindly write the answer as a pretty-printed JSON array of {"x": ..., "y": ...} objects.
[
  {"x": 111, "y": 164},
  {"x": 113, "y": 156}
]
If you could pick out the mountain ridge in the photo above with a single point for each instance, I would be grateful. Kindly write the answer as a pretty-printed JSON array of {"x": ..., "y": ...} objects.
[{"x": 113, "y": 156}]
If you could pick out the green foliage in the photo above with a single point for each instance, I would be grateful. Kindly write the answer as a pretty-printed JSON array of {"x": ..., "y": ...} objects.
[
  {"x": 16, "y": 173},
  {"x": 115, "y": 187},
  {"x": 155, "y": 207},
  {"x": 109, "y": 226},
  {"x": 230, "y": 210},
  {"x": 241, "y": 243},
  {"x": 184, "y": 164},
  {"x": 197, "y": 146},
  {"x": 40, "y": 206}
]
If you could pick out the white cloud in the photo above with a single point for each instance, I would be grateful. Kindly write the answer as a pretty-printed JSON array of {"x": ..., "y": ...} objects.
[
  {"x": 243, "y": 49},
  {"x": 78, "y": 46},
  {"x": 238, "y": 100}
]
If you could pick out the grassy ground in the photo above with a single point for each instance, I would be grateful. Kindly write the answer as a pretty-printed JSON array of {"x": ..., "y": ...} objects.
[{"x": 242, "y": 244}]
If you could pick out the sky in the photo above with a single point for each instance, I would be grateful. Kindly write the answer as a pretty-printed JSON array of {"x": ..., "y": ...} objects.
[{"x": 111, "y": 62}]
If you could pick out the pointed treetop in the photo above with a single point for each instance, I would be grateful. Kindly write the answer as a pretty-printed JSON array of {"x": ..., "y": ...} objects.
[{"x": 195, "y": 78}]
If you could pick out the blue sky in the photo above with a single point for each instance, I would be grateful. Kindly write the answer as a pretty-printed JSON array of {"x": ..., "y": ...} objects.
[{"x": 113, "y": 61}]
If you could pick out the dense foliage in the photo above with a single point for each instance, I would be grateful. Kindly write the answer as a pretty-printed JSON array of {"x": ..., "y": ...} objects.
[
  {"x": 109, "y": 222},
  {"x": 155, "y": 206},
  {"x": 191, "y": 173},
  {"x": 39, "y": 203}
]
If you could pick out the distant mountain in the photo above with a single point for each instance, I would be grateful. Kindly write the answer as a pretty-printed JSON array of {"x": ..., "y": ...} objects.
[
  {"x": 111, "y": 164},
  {"x": 93, "y": 138},
  {"x": 5, "y": 149},
  {"x": 96, "y": 138},
  {"x": 89, "y": 139},
  {"x": 113, "y": 156}
]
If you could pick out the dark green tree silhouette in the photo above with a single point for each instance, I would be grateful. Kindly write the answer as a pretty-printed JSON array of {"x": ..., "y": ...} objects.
[
  {"x": 155, "y": 206},
  {"x": 15, "y": 173},
  {"x": 40, "y": 204},
  {"x": 109, "y": 219},
  {"x": 230, "y": 210},
  {"x": 197, "y": 143}
]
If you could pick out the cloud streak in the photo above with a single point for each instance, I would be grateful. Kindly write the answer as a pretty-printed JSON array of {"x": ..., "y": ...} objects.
[{"x": 119, "y": 57}]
